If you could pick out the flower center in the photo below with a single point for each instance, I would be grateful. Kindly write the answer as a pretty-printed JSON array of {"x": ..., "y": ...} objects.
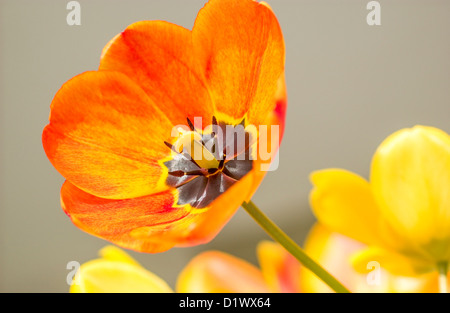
[{"x": 205, "y": 163}]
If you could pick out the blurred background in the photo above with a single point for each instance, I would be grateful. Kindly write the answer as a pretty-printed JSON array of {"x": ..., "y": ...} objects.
[{"x": 349, "y": 86}]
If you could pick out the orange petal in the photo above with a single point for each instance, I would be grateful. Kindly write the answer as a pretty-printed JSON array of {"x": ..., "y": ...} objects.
[
  {"x": 280, "y": 269},
  {"x": 159, "y": 57},
  {"x": 106, "y": 136},
  {"x": 151, "y": 223},
  {"x": 241, "y": 52},
  {"x": 146, "y": 224},
  {"x": 215, "y": 271},
  {"x": 280, "y": 105}
]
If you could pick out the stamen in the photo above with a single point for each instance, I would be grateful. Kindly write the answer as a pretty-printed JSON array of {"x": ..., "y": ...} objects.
[
  {"x": 181, "y": 173},
  {"x": 177, "y": 173},
  {"x": 191, "y": 126},
  {"x": 201, "y": 181},
  {"x": 221, "y": 163},
  {"x": 170, "y": 146},
  {"x": 212, "y": 170},
  {"x": 199, "y": 172}
]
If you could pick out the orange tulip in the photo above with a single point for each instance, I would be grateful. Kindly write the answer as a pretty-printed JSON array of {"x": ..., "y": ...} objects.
[{"x": 129, "y": 180}]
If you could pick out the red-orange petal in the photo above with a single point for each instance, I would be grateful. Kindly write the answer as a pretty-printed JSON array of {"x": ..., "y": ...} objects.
[
  {"x": 128, "y": 224},
  {"x": 280, "y": 269},
  {"x": 145, "y": 224},
  {"x": 151, "y": 223},
  {"x": 241, "y": 52},
  {"x": 279, "y": 113},
  {"x": 106, "y": 136},
  {"x": 159, "y": 57}
]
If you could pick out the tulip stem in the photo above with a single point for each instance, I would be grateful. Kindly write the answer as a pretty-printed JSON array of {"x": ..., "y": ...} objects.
[
  {"x": 443, "y": 269},
  {"x": 279, "y": 236}
]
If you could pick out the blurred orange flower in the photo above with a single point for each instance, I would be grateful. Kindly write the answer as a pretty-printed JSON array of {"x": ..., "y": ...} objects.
[
  {"x": 215, "y": 271},
  {"x": 111, "y": 131}
]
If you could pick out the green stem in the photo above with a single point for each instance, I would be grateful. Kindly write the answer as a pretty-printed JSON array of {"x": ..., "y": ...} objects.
[
  {"x": 279, "y": 236},
  {"x": 443, "y": 269}
]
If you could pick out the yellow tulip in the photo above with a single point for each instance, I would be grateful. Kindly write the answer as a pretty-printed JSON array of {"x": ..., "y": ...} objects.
[
  {"x": 116, "y": 272},
  {"x": 403, "y": 213}
]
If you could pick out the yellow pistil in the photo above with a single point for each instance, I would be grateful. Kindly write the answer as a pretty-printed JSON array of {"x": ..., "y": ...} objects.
[{"x": 191, "y": 143}]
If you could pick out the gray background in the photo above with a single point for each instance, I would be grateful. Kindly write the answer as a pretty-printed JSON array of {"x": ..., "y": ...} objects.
[{"x": 349, "y": 86}]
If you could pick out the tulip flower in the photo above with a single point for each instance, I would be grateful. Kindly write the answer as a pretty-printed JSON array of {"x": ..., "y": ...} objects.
[
  {"x": 175, "y": 130},
  {"x": 117, "y": 135},
  {"x": 403, "y": 213},
  {"x": 335, "y": 252},
  {"x": 215, "y": 271},
  {"x": 280, "y": 272},
  {"x": 116, "y": 272}
]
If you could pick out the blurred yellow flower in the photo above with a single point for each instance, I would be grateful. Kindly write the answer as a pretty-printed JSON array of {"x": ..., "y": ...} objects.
[
  {"x": 403, "y": 214},
  {"x": 116, "y": 272}
]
